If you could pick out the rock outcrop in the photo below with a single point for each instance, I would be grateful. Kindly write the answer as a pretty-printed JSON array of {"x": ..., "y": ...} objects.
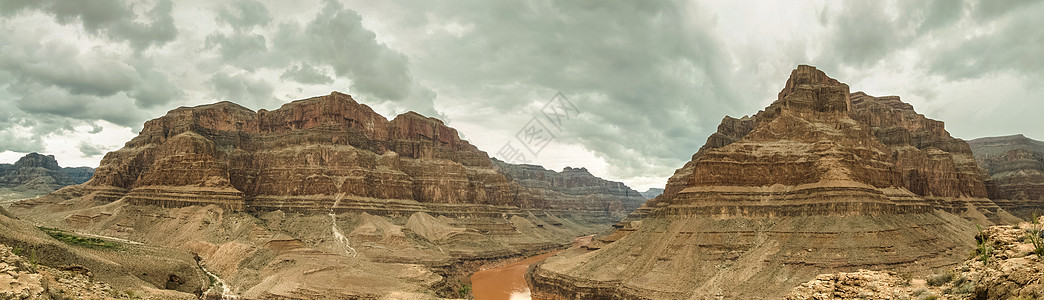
[
  {"x": 324, "y": 198},
  {"x": 1016, "y": 166},
  {"x": 35, "y": 174},
  {"x": 1012, "y": 271},
  {"x": 58, "y": 263},
  {"x": 821, "y": 179},
  {"x": 571, "y": 189},
  {"x": 21, "y": 278},
  {"x": 307, "y": 155}
]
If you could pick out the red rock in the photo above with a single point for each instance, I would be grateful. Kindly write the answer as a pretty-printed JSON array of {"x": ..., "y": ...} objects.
[
  {"x": 310, "y": 153},
  {"x": 821, "y": 181}
]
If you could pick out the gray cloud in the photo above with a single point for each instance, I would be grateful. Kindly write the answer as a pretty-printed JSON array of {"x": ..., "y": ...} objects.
[
  {"x": 862, "y": 33},
  {"x": 638, "y": 71},
  {"x": 111, "y": 18},
  {"x": 58, "y": 78},
  {"x": 306, "y": 74},
  {"x": 337, "y": 38},
  {"x": 88, "y": 149},
  {"x": 243, "y": 89},
  {"x": 244, "y": 14},
  {"x": 989, "y": 9},
  {"x": 55, "y": 102},
  {"x": 246, "y": 50},
  {"x": 9, "y": 141},
  {"x": 334, "y": 38},
  {"x": 652, "y": 79},
  {"x": 1008, "y": 48},
  {"x": 62, "y": 65}
]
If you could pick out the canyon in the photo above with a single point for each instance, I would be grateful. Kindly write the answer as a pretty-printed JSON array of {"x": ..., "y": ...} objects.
[
  {"x": 35, "y": 174},
  {"x": 1016, "y": 167},
  {"x": 325, "y": 198},
  {"x": 822, "y": 180}
]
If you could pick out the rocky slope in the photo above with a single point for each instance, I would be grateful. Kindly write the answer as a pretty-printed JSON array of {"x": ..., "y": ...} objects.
[
  {"x": 822, "y": 179},
  {"x": 325, "y": 198},
  {"x": 115, "y": 268},
  {"x": 35, "y": 174},
  {"x": 1013, "y": 271},
  {"x": 1016, "y": 166}
]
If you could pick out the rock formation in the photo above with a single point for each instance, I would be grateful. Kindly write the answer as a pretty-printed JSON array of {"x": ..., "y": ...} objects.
[
  {"x": 652, "y": 193},
  {"x": 35, "y": 174},
  {"x": 1016, "y": 166},
  {"x": 1012, "y": 271},
  {"x": 305, "y": 156},
  {"x": 571, "y": 189},
  {"x": 820, "y": 180},
  {"x": 323, "y": 197},
  {"x": 37, "y": 265}
]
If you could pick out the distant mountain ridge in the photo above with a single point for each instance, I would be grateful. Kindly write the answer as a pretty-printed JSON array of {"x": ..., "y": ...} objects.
[
  {"x": 37, "y": 174},
  {"x": 652, "y": 193},
  {"x": 1015, "y": 164}
]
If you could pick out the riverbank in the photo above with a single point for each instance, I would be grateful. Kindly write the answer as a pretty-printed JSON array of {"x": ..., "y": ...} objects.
[{"x": 506, "y": 280}]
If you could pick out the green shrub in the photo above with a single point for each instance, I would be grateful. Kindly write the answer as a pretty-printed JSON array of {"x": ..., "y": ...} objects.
[
  {"x": 1034, "y": 236},
  {"x": 984, "y": 250},
  {"x": 88, "y": 242},
  {"x": 962, "y": 287},
  {"x": 464, "y": 290},
  {"x": 939, "y": 279}
]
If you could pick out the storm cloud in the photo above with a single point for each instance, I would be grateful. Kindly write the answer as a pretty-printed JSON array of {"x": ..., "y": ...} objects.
[{"x": 651, "y": 80}]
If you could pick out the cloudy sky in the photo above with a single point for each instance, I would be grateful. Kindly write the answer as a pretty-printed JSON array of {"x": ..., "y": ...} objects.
[{"x": 650, "y": 79}]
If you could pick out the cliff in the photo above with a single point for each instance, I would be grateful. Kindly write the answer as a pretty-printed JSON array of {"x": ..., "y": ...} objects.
[
  {"x": 1016, "y": 166},
  {"x": 324, "y": 198},
  {"x": 304, "y": 155},
  {"x": 571, "y": 189},
  {"x": 821, "y": 179},
  {"x": 35, "y": 174}
]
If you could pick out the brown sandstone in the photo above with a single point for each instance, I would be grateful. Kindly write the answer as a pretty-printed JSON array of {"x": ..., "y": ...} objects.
[
  {"x": 1016, "y": 166},
  {"x": 820, "y": 180},
  {"x": 325, "y": 198}
]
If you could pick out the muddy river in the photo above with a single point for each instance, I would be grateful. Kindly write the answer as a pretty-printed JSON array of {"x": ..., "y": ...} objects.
[{"x": 507, "y": 281}]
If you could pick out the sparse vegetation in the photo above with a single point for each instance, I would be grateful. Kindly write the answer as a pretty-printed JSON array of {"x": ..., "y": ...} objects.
[
  {"x": 71, "y": 239},
  {"x": 961, "y": 285},
  {"x": 464, "y": 290},
  {"x": 31, "y": 257},
  {"x": 939, "y": 279},
  {"x": 1034, "y": 234},
  {"x": 984, "y": 251}
]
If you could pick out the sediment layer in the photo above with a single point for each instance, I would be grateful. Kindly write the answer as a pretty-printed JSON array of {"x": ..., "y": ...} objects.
[{"x": 822, "y": 179}]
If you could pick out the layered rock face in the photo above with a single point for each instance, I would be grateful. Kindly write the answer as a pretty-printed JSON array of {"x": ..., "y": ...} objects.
[
  {"x": 35, "y": 174},
  {"x": 315, "y": 154},
  {"x": 929, "y": 160},
  {"x": 816, "y": 181},
  {"x": 324, "y": 198},
  {"x": 571, "y": 189},
  {"x": 1016, "y": 166}
]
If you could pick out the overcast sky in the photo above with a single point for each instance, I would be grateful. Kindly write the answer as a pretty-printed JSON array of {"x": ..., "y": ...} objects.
[{"x": 650, "y": 79}]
